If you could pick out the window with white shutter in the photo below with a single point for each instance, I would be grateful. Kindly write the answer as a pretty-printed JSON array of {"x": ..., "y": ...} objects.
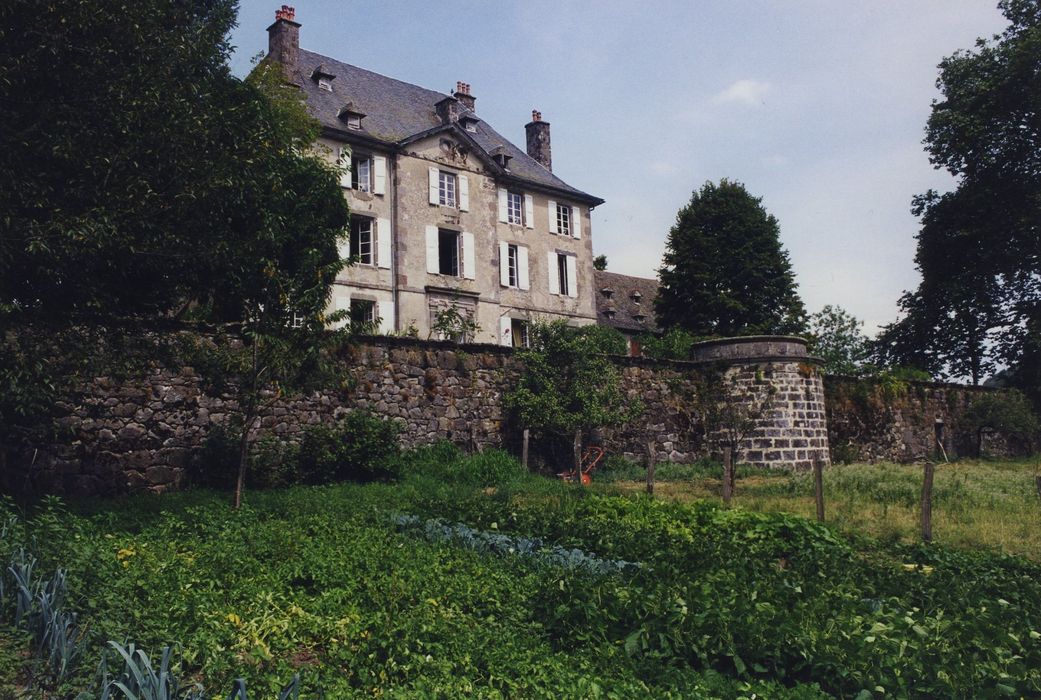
[
  {"x": 362, "y": 249},
  {"x": 572, "y": 275},
  {"x": 503, "y": 205},
  {"x": 433, "y": 250},
  {"x": 464, "y": 193},
  {"x": 553, "y": 273},
  {"x": 434, "y": 185},
  {"x": 522, "y": 267},
  {"x": 361, "y": 173},
  {"x": 551, "y": 207},
  {"x": 383, "y": 238},
  {"x": 504, "y": 264},
  {"x": 343, "y": 160},
  {"x": 469, "y": 257},
  {"x": 529, "y": 211},
  {"x": 385, "y": 309},
  {"x": 505, "y": 331},
  {"x": 379, "y": 175},
  {"x": 576, "y": 222}
]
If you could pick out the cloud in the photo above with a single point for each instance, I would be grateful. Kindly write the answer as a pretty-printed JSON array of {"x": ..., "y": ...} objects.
[{"x": 746, "y": 92}]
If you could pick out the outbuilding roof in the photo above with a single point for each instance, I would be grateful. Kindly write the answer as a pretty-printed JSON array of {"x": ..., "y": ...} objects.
[{"x": 625, "y": 302}]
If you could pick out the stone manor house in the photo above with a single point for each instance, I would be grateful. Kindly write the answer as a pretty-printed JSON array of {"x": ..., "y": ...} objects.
[{"x": 445, "y": 212}]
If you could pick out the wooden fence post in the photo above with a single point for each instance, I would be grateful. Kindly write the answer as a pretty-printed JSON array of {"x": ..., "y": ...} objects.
[
  {"x": 927, "y": 503},
  {"x": 524, "y": 447},
  {"x": 728, "y": 475},
  {"x": 650, "y": 467},
  {"x": 818, "y": 487}
]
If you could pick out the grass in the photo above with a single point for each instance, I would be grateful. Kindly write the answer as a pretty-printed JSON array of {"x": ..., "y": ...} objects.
[{"x": 991, "y": 505}]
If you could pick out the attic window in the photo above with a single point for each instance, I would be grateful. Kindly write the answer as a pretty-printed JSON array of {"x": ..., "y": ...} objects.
[
  {"x": 501, "y": 157},
  {"x": 639, "y": 317},
  {"x": 351, "y": 116},
  {"x": 323, "y": 77},
  {"x": 470, "y": 124},
  {"x": 636, "y": 296},
  {"x": 609, "y": 313},
  {"x": 607, "y": 292}
]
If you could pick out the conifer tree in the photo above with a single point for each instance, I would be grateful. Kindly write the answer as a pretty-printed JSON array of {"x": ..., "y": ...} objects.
[{"x": 725, "y": 272}]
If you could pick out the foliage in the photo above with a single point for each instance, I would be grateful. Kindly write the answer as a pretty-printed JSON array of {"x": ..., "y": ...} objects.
[
  {"x": 157, "y": 177},
  {"x": 451, "y": 323},
  {"x": 722, "y": 604},
  {"x": 600, "y": 263},
  {"x": 359, "y": 447},
  {"x": 978, "y": 247},
  {"x": 1008, "y": 412},
  {"x": 835, "y": 336},
  {"x": 567, "y": 383},
  {"x": 674, "y": 344},
  {"x": 604, "y": 340},
  {"x": 724, "y": 272}
]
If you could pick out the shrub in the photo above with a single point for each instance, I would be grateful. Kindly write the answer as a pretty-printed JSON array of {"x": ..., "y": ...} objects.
[
  {"x": 358, "y": 448},
  {"x": 272, "y": 462},
  {"x": 444, "y": 462}
]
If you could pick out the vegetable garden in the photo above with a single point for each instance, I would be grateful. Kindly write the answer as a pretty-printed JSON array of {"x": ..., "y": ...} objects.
[{"x": 469, "y": 577}]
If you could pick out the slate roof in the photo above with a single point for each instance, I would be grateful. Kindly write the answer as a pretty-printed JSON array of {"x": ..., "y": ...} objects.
[
  {"x": 617, "y": 293},
  {"x": 396, "y": 111}
]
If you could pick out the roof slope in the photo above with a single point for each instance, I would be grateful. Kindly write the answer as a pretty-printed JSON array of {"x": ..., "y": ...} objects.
[
  {"x": 625, "y": 302},
  {"x": 395, "y": 110}
]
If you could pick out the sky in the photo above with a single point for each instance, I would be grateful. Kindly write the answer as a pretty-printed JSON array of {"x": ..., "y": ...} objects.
[{"x": 817, "y": 106}]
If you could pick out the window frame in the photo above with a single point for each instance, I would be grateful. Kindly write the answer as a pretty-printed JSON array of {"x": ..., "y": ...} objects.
[
  {"x": 358, "y": 245},
  {"x": 562, "y": 274},
  {"x": 514, "y": 198},
  {"x": 367, "y": 317},
  {"x": 563, "y": 219},
  {"x": 447, "y": 189},
  {"x": 357, "y": 160},
  {"x": 520, "y": 333},
  {"x": 454, "y": 249}
]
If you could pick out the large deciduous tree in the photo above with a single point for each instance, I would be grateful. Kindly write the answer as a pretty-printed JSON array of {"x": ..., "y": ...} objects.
[
  {"x": 724, "y": 272},
  {"x": 979, "y": 247},
  {"x": 835, "y": 336},
  {"x": 138, "y": 175}
]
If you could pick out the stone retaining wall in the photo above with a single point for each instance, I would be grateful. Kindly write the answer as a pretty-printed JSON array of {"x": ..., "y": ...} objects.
[{"x": 142, "y": 434}]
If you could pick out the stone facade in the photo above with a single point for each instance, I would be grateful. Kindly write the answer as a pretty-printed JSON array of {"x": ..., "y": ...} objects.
[{"x": 446, "y": 212}]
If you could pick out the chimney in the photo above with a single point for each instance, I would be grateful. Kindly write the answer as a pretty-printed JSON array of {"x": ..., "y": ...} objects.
[
  {"x": 283, "y": 38},
  {"x": 449, "y": 110},
  {"x": 462, "y": 93},
  {"x": 538, "y": 140}
]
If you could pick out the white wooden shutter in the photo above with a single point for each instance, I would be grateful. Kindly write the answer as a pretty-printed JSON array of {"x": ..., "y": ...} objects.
[
  {"x": 379, "y": 175},
  {"x": 433, "y": 260},
  {"x": 434, "y": 176},
  {"x": 522, "y": 267},
  {"x": 529, "y": 211},
  {"x": 385, "y": 311},
  {"x": 503, "y": 214},
  {"x": 576, "y": 222},
  {"x": 554, "y": 276},
  {"x": 343, "y": 159},
  {"x": 572, "y": 275},
  {"x": 383, "y": 236},
  {"x": 504, "y": 264},
  {"x": 505, "y": 331},
  {"x": 343, "y": 246},
  {"x": 551, "y": 207},
  {"x": 469, "y": 260},
  {"x": 464, "y": 193},
  {"x": 342, "y": 302}
]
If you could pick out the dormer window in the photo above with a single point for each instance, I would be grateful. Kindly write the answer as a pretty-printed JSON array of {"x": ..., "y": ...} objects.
[
  {"x": 351, "y": 116},
  {"x": 501, "y": 157},
  {"x": 636, "y": 296},
  {"x": 639, "y": 317},
  {"x": 607, "y": 292},
  {"x": 469, "y": 123},
  {"x": 608, "y": 313},
  {"x": 323, "y": 78}
]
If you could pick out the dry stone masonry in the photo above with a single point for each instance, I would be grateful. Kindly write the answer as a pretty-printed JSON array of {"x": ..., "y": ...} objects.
[{"x": 143, "y": 434}]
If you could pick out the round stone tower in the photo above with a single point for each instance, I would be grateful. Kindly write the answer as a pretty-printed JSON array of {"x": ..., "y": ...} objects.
[{"x": 774, "y": 400}]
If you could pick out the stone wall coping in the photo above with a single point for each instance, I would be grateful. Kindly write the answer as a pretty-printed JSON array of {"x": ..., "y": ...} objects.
[
  {"x": 851, "y": 379},
  {"x": 744, "y": 339},
  {"x": 400, "y": 341}
]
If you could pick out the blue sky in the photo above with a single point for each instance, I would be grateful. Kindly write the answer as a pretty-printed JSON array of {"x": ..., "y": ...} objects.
[{"x": 818, "y": 106}]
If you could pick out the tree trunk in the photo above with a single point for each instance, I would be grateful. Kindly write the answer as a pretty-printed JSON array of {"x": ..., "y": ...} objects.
[
  {"x": 818, "y": 487},
  {"x": 927, "y": 503},
  {"x": 650, "y": 467},
  {"x": 524, "y": 447},
  {"x": 240, "y": 482},
  {"x": 577, "y": 450},
  {"x": 728, "y": 475}
]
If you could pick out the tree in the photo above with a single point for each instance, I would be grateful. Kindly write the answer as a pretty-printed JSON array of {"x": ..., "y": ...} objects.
[
  {"x": 724, "y": 272},
  {"x": 568, "y": 385},
  {"x": 138, "y": 177},
  {"x": 600, "y": 263},
  {"x": 141, "y": 181},
  {"x": 979, "y": 247},
  {"x": 836, "y": 338}
]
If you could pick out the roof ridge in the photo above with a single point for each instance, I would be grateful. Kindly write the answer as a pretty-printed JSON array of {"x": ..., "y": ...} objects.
[{"x": 372, "y": 72}]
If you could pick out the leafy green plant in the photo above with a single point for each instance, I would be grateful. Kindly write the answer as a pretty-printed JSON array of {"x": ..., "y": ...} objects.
[
  {"x": 452, "y": 323},
  {"x": 359, "y": 447}
]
